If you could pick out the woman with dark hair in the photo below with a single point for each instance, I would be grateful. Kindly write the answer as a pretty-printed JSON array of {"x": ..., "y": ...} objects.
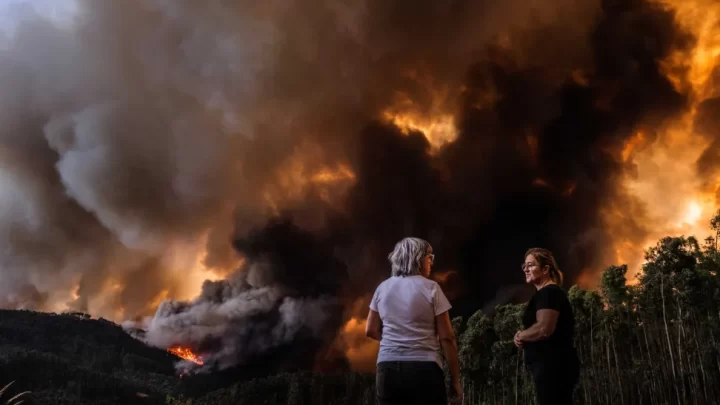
[
  {"x": 548, "y": 336},
  {"x": 409, "y": 316}
]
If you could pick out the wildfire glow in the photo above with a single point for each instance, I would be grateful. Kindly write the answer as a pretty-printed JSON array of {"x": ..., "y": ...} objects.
[
  {"x": 194, "y": 271},
  {"x": 693, "y": 213},
  {"x": 304, "y": 172},
  {"x": 632, "y": 145},
  {"x": 328, "y": 176},
  {"x": 427, "y": 108},
  {"x": 186, "y": 354},
  {"x": 699, "y": 17},
  {"x": 360, "y": 351},
  {"x": 670, "y": 195},
  {"x": 567, "y": 191},
  {"x": 439, "y": 130}
]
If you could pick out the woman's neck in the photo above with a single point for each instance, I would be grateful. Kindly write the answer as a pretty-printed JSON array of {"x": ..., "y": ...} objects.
[{"x": 543, "y": 283}]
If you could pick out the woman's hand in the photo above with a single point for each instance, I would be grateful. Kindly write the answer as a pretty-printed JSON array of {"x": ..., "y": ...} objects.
[
  {"x": 457, "y": 395},
  {"x": 518, "y": 340}
]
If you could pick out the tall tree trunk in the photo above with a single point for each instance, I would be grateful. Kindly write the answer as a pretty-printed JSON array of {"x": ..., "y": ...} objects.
[
  {"x": 517, "y": 373},
  {"x": 617, "y": 367},
  {"x": 650, "y": 364},
  {"x": 700, "y": 357},
  {"x": 667, "y": 334},
  {"x": 681, "y": 369}
]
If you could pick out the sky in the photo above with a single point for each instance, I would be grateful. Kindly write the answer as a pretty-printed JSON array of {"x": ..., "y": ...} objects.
[
  {"x": 160, "y": 137},
  {"x": 58, "y": 10}
]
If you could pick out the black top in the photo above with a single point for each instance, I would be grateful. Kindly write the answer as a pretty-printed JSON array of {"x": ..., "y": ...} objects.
[{"x": 559, "y": 346}]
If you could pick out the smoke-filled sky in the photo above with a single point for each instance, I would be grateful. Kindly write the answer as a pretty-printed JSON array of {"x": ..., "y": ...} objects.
[{"x": 281, "y": 148}]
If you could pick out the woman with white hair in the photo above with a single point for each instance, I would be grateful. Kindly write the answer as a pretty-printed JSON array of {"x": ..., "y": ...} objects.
[{"x": 409, "y": 316}]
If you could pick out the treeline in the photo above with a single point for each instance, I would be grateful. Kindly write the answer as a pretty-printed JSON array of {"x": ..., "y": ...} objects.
[
  {"x": 655, "y": 342},
  {"x": 71, "y": 359}
]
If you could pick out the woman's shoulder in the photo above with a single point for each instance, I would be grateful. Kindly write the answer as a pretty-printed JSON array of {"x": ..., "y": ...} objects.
[
  {"x": 552, "y": 289},
  {"x": 416, "y": 280},
  {"x": 428, "y": 282}
]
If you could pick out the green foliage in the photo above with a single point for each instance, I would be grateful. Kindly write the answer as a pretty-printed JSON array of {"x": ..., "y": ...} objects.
[
  {"x": 654, "y": 342},
  {"x": 71, "y": 359},
  {"x": 613, "y": 286}
]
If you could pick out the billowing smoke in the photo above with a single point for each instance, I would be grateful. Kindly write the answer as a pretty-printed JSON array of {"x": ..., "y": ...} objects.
[
  {"x": 148, "y": 145},
  {"x": 286, "y": 293}
]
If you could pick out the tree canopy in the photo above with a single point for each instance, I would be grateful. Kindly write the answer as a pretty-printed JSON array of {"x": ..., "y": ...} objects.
[{"x": 655, "y": 340}]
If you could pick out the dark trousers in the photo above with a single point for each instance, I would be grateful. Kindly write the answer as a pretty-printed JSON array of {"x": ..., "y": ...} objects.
[
  {"x": 555, "y": 381},
  {"x": 410, "y": 383}
]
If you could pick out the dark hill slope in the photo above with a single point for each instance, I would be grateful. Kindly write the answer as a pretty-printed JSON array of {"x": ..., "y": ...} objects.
[{"x": 71, "y": 359}]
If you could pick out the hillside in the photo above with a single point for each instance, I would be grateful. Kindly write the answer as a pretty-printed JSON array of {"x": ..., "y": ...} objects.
[
  {"x": 71, "y": 359},
  {"x": 651, "y": 342}
]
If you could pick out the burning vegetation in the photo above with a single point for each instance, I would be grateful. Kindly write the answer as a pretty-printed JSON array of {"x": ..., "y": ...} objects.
[
  {"x": 233, "y": 177},
  {"x": 186, "y": 353}
]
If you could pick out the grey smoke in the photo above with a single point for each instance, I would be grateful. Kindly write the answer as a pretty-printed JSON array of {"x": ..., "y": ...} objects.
[
  {"x": 244, "y": 316},
  {"x": 506, "y": 295},
  {"x": 143, "y": 127}
]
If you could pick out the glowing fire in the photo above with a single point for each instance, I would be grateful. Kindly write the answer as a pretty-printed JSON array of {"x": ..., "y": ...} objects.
[
  {"x": 632, "y": 145},
  {"x": 186, "y": 354},
  {"x": 667, "y": 188},
  {"x": 304, "y": 171},
  {"x": 700, "y": 17},
  {"x": 429, "y": 110},
  {"x": 360, "y": 351},
  {"x": 439, "y": 130}
]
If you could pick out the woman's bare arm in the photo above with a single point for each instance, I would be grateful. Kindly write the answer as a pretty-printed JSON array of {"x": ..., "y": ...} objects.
[
  {"x": 543, "y": 328},
  {"x": 446, "y": 334},
  {"x": 373, "y": 327}
]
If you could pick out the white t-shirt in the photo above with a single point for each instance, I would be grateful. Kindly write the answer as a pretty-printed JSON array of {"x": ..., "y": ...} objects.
[{"x": 408, "y": 307}]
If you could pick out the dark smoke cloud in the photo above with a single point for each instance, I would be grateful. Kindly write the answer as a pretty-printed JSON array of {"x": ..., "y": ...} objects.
[
  {"x": 287, "y": 292},
  {"x": 708, "y": 125},
  {"x": 149, "y": 130},
  {"x": 533, "y": 169}
]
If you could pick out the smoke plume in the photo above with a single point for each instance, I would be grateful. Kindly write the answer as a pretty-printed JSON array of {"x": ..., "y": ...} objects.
[
  {"x": 233, "y": 174},
  {"x": 287, "y": 292}
]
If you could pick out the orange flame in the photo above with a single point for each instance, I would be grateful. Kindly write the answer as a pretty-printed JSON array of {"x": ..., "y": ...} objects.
[
  {"x": 439, "y": 131},
  {"x": 360, "y": 351},
  {"x": 186, "y": 354},
  {"x": 428, "y": 110},
  {"x": 305, "y": 172},
  {"x": 664, "y": 185},
  {"x": 632, "y": 145},
  {"x": 692, "y": 72}
]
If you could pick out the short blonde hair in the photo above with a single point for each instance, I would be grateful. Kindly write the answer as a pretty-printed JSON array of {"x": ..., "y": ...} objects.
[{"x": 407, "y": 257}]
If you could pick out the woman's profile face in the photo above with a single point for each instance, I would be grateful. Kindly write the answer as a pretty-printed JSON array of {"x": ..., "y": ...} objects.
[
  {"x": 428, "y": 262},
  {"x": 533, "y": 272}
]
